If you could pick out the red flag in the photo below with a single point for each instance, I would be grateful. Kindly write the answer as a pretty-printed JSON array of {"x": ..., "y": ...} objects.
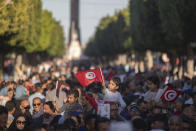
[
  {"x": 89, "y": 76},
  {"x": 58, "y": 85},
  {"x": 170, "y": 95},
  {"x": 110, "y": 75}
]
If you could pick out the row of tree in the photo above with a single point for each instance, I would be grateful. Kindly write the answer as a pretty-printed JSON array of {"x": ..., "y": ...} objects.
[
  {"x": 112, "y": 36},
  {"x": 155, "y": 25},
  {"x": 25, "y": 28}
]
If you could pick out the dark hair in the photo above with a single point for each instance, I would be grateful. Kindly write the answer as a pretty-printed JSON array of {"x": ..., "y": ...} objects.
[
  {"x": 155, "y": 80},
  {"x": 52, "y": 85},
  {"x": 74, "y": 92},
  {"x": 50, "y": 104},
  {"x": 116, "y": 80},
  {"x": 139, "y": 123},
  {"x": 13, "y": 125},
  {"x": 89, "y": 117},
  {"x": 38, "y": 87},
  {"x": 10, "y": 105},
  {"x": 37, "y": 98},
  {"x": 3, "y": 110},
  {"x": 100, "y": 120}
]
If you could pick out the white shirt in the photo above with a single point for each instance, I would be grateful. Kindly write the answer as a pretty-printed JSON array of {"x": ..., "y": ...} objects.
[
  {"x": 189, "y": 101},
  {"x": 114, "y": 96}
]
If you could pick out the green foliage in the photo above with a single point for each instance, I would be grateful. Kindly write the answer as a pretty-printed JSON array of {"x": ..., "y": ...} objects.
[
  {"x": 27, "y": 28},
  {"x": 56, "y": 46},
  {"x": 112, "y": 36},
  {"x": 163, "y": 25}
]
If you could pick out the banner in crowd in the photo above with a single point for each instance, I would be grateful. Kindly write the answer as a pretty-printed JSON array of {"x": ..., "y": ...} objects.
[
  {"x": 170, "y": 95},
  {"x": 102, "y": 107},
  {"x": 89, "y": 76}
]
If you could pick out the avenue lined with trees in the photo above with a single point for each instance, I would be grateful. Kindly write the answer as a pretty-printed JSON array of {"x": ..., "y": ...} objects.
[{"x": 148, "y": 26}]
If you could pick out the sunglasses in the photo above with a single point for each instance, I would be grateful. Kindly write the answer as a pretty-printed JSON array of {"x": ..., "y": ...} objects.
[
  {"x": 27, "y": 107},
  {"x": 20, "y": 122},
  {"x": 38, "y": 104}
]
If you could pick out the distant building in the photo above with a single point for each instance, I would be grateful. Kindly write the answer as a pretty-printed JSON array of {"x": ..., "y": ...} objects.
[{"x": 74, "y": 50}]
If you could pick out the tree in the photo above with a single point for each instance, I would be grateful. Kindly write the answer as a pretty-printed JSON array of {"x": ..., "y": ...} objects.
[{"x": 112, "y": 36}]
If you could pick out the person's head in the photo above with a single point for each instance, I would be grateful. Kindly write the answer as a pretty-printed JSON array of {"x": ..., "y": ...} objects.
[
  {"x": 10, "y": 93},
  {"x": 38, "y": 87},
  {"x": 114, "y": 84},
  {"x": 3, "y": 117},
  {"x": 133, "y": 110},
  {"x": 24, "y": 106},
  {"x": 175, "y": 123},
  {"x": 132, "y": 86},
  {"x": 102, "y": 124},
  {"x": 188, "y": 111},
  {"x": 10, "y": 105},
  {"x": 76, "y": 117},
  {"x": 10, "y": 85},
  {"x": 153, "y": 83},
  {"x": 186, "y": 126},
  {"x": 156, "y": 110},
  {"x": 21, "y": 122},
  {"x": 73, "y": 96},
  {"x": 143, "y": 106},
  {"x": 64, "y": 85},
  {"x": 37, "y": 104},
  {"x": 158, "y": 122},
  {"x": 90, "y": 122},
  {"x": 113, "y": 111},
  {"x": 49, "y": 109},
  {"x": 63, "y": 77},
  {"x": 178, "y": 106},
  {"x": 139, "y": 124}
]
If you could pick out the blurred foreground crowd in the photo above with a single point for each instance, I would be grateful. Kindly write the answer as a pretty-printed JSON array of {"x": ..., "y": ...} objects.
[{"x": 35, "y": 103}]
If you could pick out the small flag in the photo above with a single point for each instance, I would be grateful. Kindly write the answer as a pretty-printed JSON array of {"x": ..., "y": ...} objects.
[
  {"x": 110, "y": 75},
  {"x": 170, "y": 95},
  {"x": 58, "y": 85},
  {"x": 95, "y": 102},
  {"x": 89, "y": 76}
]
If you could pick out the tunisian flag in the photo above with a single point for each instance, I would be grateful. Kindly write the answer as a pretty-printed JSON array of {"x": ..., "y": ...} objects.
[
  {"x": 89, "y": 76},
  {"x": 170, "y": 95}
]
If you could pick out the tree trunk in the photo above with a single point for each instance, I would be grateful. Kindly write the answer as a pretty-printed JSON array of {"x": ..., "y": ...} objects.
[
  {"x": 141, "y": 66},
  {"x": 149, "y": 60},
  {"x": 18, "y": 63},
  {"x": 190, "y": 62},
  {"x": 2, "y": 58}
]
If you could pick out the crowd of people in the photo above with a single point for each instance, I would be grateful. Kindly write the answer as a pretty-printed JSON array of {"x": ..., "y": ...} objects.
[{"x": 52, "y": 99}]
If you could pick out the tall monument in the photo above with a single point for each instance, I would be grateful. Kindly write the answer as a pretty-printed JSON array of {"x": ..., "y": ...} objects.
[{"x": 74, "y": 50}]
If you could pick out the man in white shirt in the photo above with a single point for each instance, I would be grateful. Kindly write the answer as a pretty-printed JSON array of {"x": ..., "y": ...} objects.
[{"x": 38, "y": 94}]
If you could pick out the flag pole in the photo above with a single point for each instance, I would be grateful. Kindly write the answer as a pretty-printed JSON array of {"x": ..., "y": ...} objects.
[
  {"x": 103, "y": 82},
  {"x": 56, "y": 89}
]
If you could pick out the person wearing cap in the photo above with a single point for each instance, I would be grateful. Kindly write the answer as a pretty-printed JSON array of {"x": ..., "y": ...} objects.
[{"x": 133, "y": 111}]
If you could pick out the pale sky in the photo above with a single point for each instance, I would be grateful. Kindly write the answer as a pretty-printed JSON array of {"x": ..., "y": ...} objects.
[{"x": 91, "y": 12}]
